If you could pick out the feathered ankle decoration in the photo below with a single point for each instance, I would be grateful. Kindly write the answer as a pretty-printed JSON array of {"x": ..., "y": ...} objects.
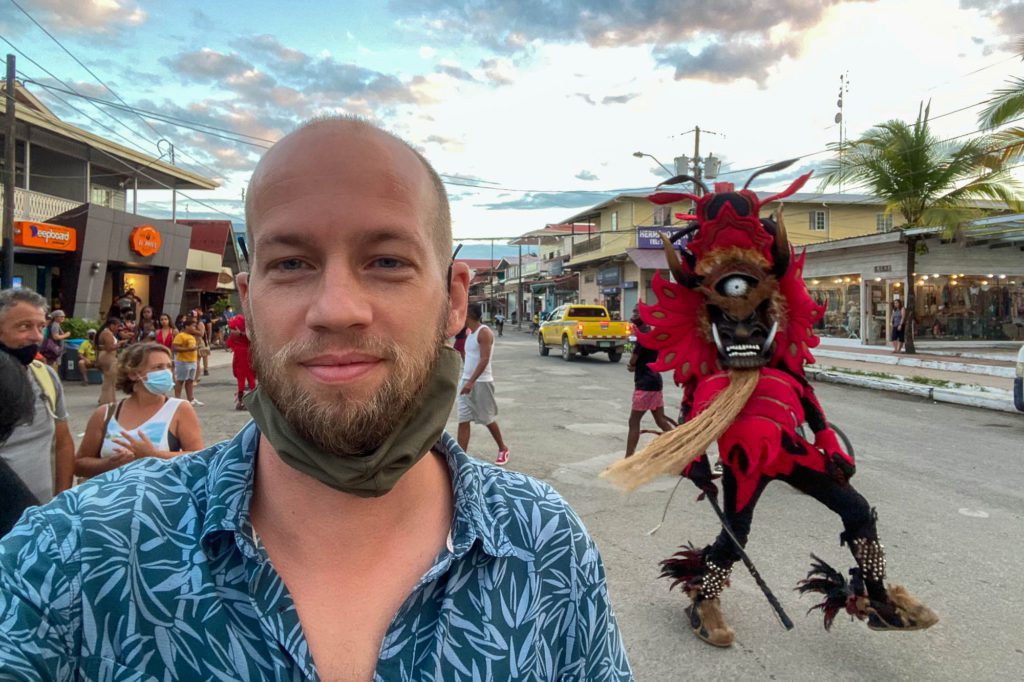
[
  {"x": 900, "y": 610},
  {"x": 838, "y": 592},
  {"x": 685, "y": 567}
]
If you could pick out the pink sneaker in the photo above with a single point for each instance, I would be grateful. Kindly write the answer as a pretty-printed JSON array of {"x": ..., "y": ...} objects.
[{"x": 502, "y": 457}]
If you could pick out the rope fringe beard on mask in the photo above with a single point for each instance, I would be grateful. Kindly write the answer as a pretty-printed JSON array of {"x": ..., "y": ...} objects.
[{"x": 673, "y": 451}]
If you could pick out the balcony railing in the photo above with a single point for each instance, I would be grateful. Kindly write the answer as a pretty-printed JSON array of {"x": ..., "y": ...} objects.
[
  {"x": 587, "y": 246},
  {"x": 36, "y": 206}
]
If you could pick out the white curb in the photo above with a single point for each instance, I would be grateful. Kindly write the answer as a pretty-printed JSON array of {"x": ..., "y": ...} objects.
[{"x": 990, "y": 399}]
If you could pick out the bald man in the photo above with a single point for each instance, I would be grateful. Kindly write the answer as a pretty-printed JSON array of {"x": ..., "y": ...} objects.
[{"x": 341, "y": 535}]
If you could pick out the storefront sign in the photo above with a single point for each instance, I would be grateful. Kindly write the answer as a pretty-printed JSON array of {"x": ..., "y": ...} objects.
[
  {"x": 608, "y": 276},
  {"x": 883, "y": 268},
  {"x": 44, "y": 236},
  {"x": 650, "y": 237},
  {"x": 145, "y": 240}
]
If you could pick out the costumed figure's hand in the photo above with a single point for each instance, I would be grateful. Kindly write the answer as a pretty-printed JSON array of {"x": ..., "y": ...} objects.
[
  {"x": 841, "y": 465},
  {"x": 699, "y": 471}
]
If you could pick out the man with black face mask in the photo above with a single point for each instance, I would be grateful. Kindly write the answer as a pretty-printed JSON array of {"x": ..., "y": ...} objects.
[
  {"x": 41, "y": 453},
  {"x": 341, "y": 535}
]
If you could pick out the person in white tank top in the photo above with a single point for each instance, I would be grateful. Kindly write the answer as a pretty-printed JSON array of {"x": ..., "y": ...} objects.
[
  {"x": 476, "y": 391},
  {"x": 145, "y": 424}
]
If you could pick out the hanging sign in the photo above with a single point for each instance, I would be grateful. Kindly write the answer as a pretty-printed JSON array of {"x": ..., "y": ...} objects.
[
  {"x": 44, "y": 236},
  {"x": 145, "y": 240}
]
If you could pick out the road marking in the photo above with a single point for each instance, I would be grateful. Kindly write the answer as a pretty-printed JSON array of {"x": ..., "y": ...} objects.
[
  {"x": 973, "y": 513},
  {"x": 602, "y": 429}
]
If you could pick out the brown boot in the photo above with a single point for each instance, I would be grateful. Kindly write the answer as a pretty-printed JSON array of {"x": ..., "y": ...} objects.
[
  {"x": 902, "y": 611},
  {"x": 708, "y": 622}
]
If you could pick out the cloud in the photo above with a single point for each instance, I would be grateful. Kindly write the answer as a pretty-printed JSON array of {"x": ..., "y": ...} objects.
[
  {"x": 446, "y": 143},
  {"x": 586, "y": 98},
  {"x": 541, "y": 200},
  {"x": 722, "y": 62},
  {"x": 1007, "y": 14},
  {"x": 585, "y": 175},
  {"x": 455, "y": 72},
  {"x": 93, "y": 18},
  {"x": 498, "y": 71},
  {"x": 267, "y": 48},
  {"x": 509, "y": 26},
  {"x": 619, "y": 99}
]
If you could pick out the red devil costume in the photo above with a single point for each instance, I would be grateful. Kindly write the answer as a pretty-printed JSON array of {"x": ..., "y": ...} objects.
[
  {"x": 241, "y": 364},
  {"x": 736, "y": 329}
]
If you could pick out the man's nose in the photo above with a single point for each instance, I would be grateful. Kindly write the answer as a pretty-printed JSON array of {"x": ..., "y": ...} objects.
[
  {"x": 36, "y": 335},
  {"x": 342, "y": 301}
]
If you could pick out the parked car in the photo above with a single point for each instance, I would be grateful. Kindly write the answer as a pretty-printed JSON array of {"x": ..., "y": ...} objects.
[
  {"x": 583, "y": 330},
  {"x": 1018, "y": 382}
]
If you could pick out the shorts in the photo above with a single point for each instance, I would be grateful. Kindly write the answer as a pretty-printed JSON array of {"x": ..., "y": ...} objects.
[
  {"x": 184, "y": 371},
  {"x": 897, "y": 334},
  {"x": 479, "y": 405},
  {"x": 202, "y": 348},
  {"x": 644, "y": 401}
]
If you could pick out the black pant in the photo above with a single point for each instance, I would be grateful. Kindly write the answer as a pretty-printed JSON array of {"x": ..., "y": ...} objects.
[
  {"x": 855, "y": 512},
  {"x": 15, "y": 497}
]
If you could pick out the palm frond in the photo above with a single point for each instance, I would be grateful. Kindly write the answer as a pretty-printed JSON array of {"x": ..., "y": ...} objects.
[{"x": 1006, "y": 104}]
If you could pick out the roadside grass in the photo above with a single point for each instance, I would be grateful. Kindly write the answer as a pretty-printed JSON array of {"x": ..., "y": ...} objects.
[{"x": 924, "y": 381}]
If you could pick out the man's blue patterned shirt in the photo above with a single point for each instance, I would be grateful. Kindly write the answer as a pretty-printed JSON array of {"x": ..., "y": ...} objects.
[{"x": 151, "y": 573}]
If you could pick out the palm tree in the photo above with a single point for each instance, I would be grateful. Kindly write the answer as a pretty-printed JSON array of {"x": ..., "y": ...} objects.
[
  {"x": 926, "y": 180},
  {"x": 1006, "y": 106}
]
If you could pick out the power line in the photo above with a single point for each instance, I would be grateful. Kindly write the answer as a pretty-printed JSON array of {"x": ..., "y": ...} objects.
[{"x": 78, "y": 61}]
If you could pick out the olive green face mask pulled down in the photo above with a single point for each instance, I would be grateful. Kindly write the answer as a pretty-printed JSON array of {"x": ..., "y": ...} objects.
[{"x": 375, "y": 473}]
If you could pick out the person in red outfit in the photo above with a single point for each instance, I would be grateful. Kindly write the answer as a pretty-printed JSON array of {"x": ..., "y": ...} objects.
[{"x": 241, "y": 366}]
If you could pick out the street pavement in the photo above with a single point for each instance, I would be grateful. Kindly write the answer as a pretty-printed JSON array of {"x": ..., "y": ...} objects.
[{"x": 947, "y": 480}]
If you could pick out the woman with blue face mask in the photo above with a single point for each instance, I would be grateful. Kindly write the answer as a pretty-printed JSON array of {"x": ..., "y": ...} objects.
[{"x": 148, "y": 423}]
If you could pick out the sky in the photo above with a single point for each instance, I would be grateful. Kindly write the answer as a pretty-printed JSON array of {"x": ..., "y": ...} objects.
[{"x": 531, "y": 110}]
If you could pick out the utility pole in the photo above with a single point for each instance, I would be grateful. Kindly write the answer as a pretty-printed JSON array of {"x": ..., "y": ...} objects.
[
  {"x": 696, "y": 159},
  {"x": 10, "y": 126},
  {"x": 699, "y": 165},
  {"x": 844, "y": 89},
  {"x": 519, "y": 299}
]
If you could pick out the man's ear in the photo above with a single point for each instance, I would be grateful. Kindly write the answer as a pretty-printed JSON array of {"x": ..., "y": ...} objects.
[
  {"x": 458, "y": 298},
  {"x": 242, "y": 281}
]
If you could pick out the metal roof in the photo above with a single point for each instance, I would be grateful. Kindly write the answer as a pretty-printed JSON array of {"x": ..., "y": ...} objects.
[{"x": 124, "y": 160}]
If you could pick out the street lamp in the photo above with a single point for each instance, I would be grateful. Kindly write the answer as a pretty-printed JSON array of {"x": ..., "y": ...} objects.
[{"x": 640, "y": 155}]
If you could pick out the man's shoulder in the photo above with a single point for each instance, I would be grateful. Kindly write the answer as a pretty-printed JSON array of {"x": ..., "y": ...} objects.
[
  {"x": 164, "y": 496},
  {"x": 525, "y": 513}
]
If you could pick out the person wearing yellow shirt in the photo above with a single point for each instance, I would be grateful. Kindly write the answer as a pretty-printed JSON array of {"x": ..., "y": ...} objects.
[
  {"x": 185, "y": 353},
  {"x": 87, "y": 356}
]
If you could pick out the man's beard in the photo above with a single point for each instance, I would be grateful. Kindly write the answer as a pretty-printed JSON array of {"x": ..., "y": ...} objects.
[{"x": 341, "y": 424}]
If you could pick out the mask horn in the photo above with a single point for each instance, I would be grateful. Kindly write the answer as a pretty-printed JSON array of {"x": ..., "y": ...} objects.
[
  {"x": 675, "y": 266},
  {"x": 774, "y": 168},
  {"x": 685, "y": 178},
  {"x": 780, "y": 247}
]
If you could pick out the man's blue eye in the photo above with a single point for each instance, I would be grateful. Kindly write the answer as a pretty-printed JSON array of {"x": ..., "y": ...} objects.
[
  {"x": 388, "y": 263},
  {"x": 289, "y": 264}
]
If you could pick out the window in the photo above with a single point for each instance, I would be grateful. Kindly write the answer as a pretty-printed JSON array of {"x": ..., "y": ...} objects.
[
  {"x": 615, "y": 221},
  {"x": 883, "y": 222},
  {"x": 663, "y": 215},
  {"x": 818, "y": 221},
  {"x": 588, "y": 277}
]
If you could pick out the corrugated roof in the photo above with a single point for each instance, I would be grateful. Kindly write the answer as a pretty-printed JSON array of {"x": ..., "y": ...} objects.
[{"x": 161, "y": 171}]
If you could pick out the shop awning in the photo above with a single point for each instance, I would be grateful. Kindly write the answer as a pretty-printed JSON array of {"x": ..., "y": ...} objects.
[
  {"x": 648, "y": 259},
  {"x": 226, "y": 280}
]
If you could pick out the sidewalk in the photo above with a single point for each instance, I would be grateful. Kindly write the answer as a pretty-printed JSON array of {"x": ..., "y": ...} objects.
[{"x": 978, "y": 374}]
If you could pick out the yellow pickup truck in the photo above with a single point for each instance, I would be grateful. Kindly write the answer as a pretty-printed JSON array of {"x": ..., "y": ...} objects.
[{"x": 583, "y": 330}]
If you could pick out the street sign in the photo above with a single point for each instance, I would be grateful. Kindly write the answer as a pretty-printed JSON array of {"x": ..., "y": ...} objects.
[{"x": 649, "y": 237}]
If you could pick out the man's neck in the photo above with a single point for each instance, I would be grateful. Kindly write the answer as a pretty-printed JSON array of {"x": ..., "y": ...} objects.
[
  {"x": 473, "y": 325},
  {"x": 310, "y": 519}
]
